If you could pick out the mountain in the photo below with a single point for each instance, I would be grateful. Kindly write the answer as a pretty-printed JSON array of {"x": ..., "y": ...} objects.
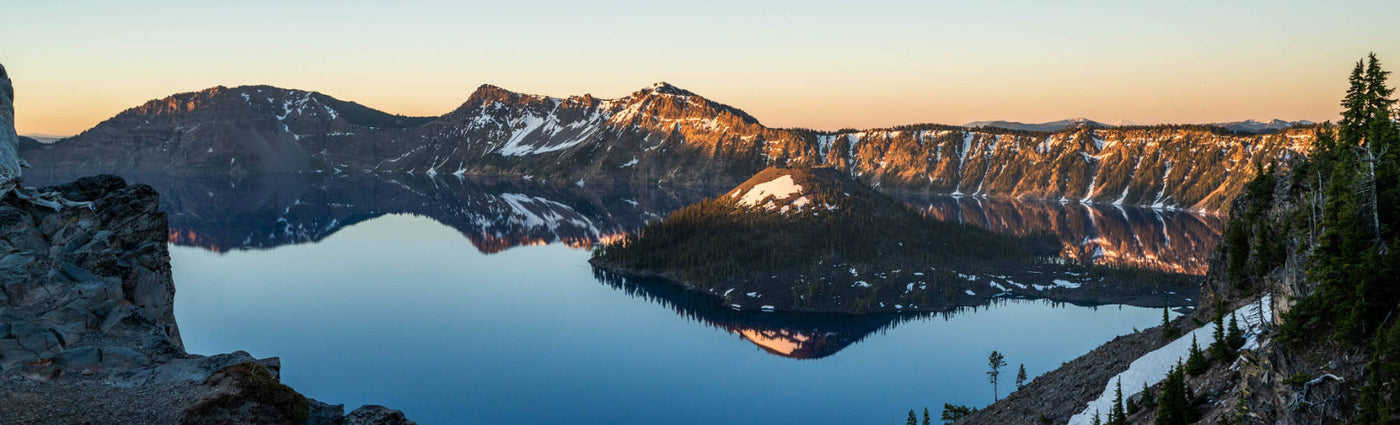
[
  {"x": 814, "y": 239},
  {"x": 1051, "y": 126},
  {"x": 660, "y": 134},
  {"x": 1259, "y": 127}
]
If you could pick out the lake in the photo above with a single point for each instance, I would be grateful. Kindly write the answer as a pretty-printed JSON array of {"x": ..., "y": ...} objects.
[{"x": 472, "y": 302}]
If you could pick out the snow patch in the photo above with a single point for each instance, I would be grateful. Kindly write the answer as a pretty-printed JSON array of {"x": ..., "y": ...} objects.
[
  {"x": 780, "y": 188},
  {"x": 1152, "y": 367}
]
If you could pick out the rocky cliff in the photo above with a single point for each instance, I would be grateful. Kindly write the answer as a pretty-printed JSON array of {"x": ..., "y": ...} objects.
[
  {"x": 87, "y": 326},
  {"x": 661, "y": 133}
]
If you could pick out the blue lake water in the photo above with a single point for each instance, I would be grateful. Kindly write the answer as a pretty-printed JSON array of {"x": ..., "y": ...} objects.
[{"x": 400, "y": 310}]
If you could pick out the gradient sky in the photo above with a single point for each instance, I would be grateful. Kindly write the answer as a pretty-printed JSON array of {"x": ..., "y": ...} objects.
[{"x": 819, "y": 64}]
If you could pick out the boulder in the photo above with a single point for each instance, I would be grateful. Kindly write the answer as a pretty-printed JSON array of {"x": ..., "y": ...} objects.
[{"x": 376, "y": 415}]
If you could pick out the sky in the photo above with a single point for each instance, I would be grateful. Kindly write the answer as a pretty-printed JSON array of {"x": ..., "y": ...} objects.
[{"x": 817, "y": 64}]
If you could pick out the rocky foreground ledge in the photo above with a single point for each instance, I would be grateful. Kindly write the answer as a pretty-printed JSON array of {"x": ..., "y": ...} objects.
[{"x": 88, "y": 333}]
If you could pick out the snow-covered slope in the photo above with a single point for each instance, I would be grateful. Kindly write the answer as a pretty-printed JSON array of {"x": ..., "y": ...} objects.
[{"x": 1152, "y": 368}]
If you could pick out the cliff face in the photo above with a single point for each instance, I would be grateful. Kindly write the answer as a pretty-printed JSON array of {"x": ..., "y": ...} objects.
[
  {"x": 660, "y": 133},
  {"x": 9, "y": 142},
  {"x": 87, "y": 324}
]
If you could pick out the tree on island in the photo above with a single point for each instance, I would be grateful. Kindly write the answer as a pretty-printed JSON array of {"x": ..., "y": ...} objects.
[
  {"x": 912, "y": 419},
  {"x": 995, "y": 361},
  {"x": 927, "y": 421}
]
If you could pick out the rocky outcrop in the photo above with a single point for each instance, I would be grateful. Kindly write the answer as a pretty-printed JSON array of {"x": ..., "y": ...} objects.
[
  {"x": 661, "y": 134},
  {"x": 9, "y": 142},
  {"x": 87, "y": 326}
]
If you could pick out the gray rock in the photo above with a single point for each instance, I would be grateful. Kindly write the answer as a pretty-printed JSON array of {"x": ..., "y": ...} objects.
[
  {"x": 325, "y": 414},
  {"x": 119, "y": 358},
  {"x": 115, "y": 316},
  {"x": 199, "y": 368},
  {"x": 376, "y": 415}
]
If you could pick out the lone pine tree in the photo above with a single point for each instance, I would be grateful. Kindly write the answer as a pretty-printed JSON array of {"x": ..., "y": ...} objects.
[{"x": 995, "y": 361}]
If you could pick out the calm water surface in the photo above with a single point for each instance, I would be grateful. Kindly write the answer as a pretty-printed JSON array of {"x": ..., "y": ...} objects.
[{"x": 402, "y": 311}]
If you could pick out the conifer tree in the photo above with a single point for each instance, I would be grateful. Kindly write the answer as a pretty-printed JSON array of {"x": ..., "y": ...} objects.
[
  {"x": 954, "y": 412},
  {"x": 927, "y": 421},
  {"x": 1116, "y": 416},
  {"x": 1234, "y": 335},
  {"x": 1195, "y": 360},
  {"x": 995, "y": 361},
  {"x": 912, "y": 420},
  {"x": 1169, "y": 331},
  {"x": 1219, "y": 347},
  {"x": 1021, "y": 377},
  {"x": 1174, "y": 406}
]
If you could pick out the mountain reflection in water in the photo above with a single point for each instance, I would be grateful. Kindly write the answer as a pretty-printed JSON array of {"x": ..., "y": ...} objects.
[
  {"x": 267, "y": 211},
  {"x": 1161, "y": 240}
]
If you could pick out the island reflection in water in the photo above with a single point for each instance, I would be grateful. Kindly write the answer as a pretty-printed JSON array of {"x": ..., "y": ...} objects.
[{"x": 794, "y": 335}]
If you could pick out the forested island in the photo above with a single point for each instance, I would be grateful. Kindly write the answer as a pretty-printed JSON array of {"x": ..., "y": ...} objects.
[{"x": 814, "y": 239}]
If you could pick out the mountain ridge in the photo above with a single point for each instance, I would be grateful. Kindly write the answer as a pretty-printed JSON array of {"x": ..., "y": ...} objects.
[{"x": 658, "y": 134}]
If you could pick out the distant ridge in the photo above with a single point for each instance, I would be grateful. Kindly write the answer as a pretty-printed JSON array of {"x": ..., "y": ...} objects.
[
  {"x": 1051, "y": 126},
  {"x": 1246, "y": 126},
  {"x": 44, "y": 138},
  {"x": 1262, "y": 127}
]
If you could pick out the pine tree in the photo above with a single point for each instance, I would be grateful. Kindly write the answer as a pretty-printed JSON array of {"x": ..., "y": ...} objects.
[
  {"x": 1196, "y": 360},
  {"x": 1098, "y": 420},
  {"x": 1169, "y": 331},
  {"x": 995, "y": 361},
  {"x": 927, "y": 421},
  {"x": 1235, "y": 335},
  {"x": 1219, "y": 347},
  {"x": 1353, "y": 123},
  {"x": 912, "y": 420},
  {"x": 954, "y": 412},
  {"x": 1174, "y": 406},
  {"x": 1116, "y": 415},
  {"x": 1021, "y": 377}
]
